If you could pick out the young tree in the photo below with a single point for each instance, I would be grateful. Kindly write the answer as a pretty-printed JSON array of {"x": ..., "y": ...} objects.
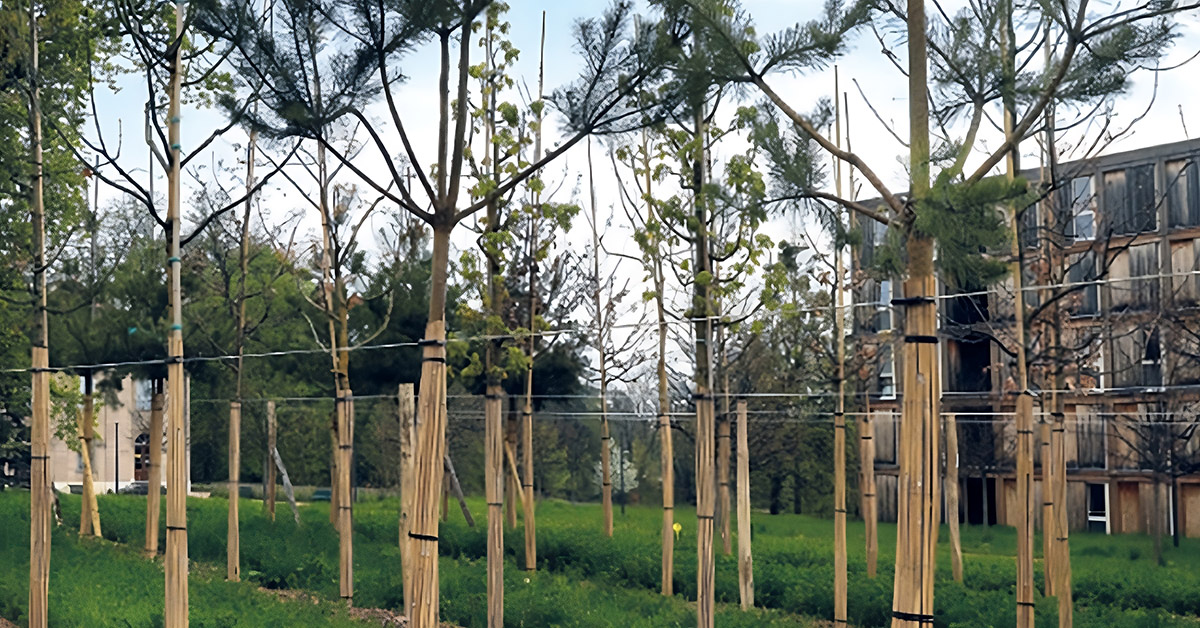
[
  {"x": 925, "y": 218},
  {"x": 377, "y": 38}
]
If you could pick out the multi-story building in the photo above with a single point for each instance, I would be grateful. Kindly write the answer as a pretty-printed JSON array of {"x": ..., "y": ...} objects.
[
  {"x": 121, "y": 450},
  {"x": 1111, "y": 267}
]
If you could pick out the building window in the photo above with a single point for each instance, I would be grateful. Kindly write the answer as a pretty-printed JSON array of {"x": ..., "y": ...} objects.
[
  {"x": 1129, "y": 205},
  {"x": 887, "y": 372},
  {"x": 144, "y": 392},
  {"x": 883, "y": 307},
  {"x": 1085, "y": 297},
  {"x": 1081, "y": 223},
  {"x": 1097, "y": 508},
  {"x": 1135, "y": 277},
  {"x": 1151, "y": 358},
  {"x": 1183, "y": 193},
  {"x": 1029, "y": 226},
  {"x": 1185, "y": 271}
]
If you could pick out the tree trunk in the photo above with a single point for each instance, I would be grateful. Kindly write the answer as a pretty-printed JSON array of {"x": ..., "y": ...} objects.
[
  {"x": 176, "y": 561},
  {"x": 666, "y": 449},
  {"x": 39, "y": 441},
  {"x": 430, "y": 444},
  {"x": 917, "y": 484},
  {"x": 701, "y": 309}
]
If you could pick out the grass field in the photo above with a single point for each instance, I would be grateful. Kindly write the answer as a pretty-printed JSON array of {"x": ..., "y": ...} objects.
[{"x": 584, "y": 580}]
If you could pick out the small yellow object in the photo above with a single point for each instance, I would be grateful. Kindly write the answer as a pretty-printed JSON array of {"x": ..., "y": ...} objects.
[{"x": 678, "y": 528}]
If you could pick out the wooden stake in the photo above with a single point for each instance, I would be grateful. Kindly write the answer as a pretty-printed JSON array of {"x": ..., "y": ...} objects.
[
  {"x": 430, "y": 449},
  {"x": 154, "y": 470},
  {"x": 867, "y": 465},
  {"x": 233, "y": 542},
  {"x": 494, "y": 493},
  {"x": 89, "y": 513},
  {"x": 724, "y": 453},
  {"x": 745, "y": 561},
  {"x": 1024, "y": 506},
  {"x": 515, "y": 475},
  {"x": 269, "y": 494},
  {"x": 705, "y": 507},
  {"x": 345, "y": 507},
  {"x": 666, "y": 451},
  {"x": 514, "y": 483},
  {"x": 176, "y": 563},
  {"x": 406, "y": 410},
  {"x": 952, "y": 495},
  {"x": 527, "y": 501},
  {"x": 840, "y": 585},
  {"x": 1062, "y": 573},
  {"x": 605, "y": 436},
  {"x": 526, "y": 493},
  {"x": 1048, "y": 558},
  {"x": 40, "y": 487},
  {"x": 453, "y": 487}
]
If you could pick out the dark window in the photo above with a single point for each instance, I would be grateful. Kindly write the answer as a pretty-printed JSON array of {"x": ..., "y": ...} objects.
[
  {"x": 1129, "y": 200},
  {"x": 1029, "y": 226},
  {"x": 1151, "y": 359},
  {"x": 1084, "y": 299},
  {"x": 1183, "y": 193},
  {"x": 1090, "y": 436},
  {"x": 1097, "y": 509}
]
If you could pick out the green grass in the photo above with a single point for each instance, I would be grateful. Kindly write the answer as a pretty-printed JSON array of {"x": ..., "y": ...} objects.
[{"x": 586, "y": 580}]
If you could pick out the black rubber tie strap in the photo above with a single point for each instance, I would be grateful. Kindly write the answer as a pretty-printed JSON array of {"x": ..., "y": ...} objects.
[
  {"x": 839, "y": 621},
  {"x": 526, "y": 485},
  {"x": 1025, "y": 431},
  {"x": 496, "y": 504},
  {"x": 868, "y": 494},
  {"x": 906, "y": 301},
  {"x": 607, "y": 484},
  {"x": 431, "y": 342},
  {"x": 867, "y": 437},
  {"x": 668, "y": 508},
  {"x": 40, "y": 369},
  {"x": 434, "y": 358},
  {"x": 917, "y": 617},
  {"x": 1047, "y": 503},
  {"x": 928, "y": 340},
  {"x": 701, "y": 396},
  {"x": 40, "y": 457},
  {"x": 489, "y": 396},
  {"x": 177, "y": 527},
  {"x": 422, "y": 537},
  {"x": 841, "y": 510},
  {"x": 838, "y": 413},
  {"x": 704, "y": 516},
  {"x": 173, "y": 359},
  {"x": 1020, "y": 603}
]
